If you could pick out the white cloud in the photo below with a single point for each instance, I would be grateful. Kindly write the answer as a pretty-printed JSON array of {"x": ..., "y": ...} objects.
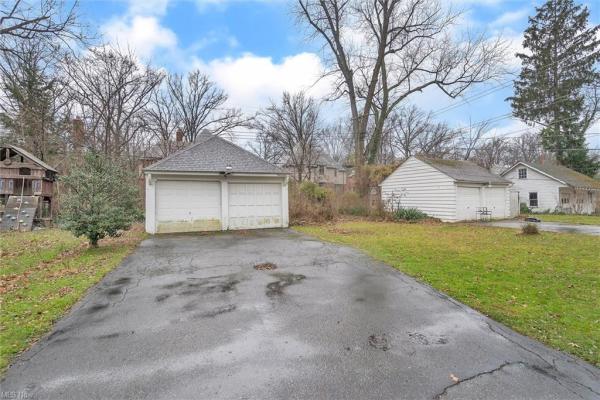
[
  {"x": 148, "y": 7},
  {"x": 143, "y": 34},
  {"x": 251, "y": 80},
  {"x": 510, "y": 17}
]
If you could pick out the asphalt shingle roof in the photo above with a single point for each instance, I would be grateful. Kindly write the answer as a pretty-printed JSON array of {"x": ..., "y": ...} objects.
[
  {"x": 213, "y": 154},
  {"x": 464, "y": 171},
  {"x": 32, "y": 157},
  {"x": 567, "y": 175}
]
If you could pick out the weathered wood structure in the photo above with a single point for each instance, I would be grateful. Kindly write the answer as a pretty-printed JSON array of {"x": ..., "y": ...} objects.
[{"x": 25, "y": 182}]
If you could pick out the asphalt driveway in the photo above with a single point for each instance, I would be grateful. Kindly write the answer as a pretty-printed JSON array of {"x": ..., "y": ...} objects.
[
  {"x": 188, "y": 317},
  {"x": 551, "y": 227}
]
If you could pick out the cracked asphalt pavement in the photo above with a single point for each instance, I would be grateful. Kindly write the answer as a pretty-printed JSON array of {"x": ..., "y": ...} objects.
[{"x": 188, "y": 317}]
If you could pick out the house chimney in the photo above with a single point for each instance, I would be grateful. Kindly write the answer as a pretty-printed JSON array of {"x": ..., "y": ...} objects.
[
  {"x": 179, "y": 136},
  {"x": 78, "y": 134}
]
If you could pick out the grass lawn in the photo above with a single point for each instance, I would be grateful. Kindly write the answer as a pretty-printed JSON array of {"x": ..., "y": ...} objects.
[
  {"x": 545, "y": 286},
  {"x": 42, "y": 274},
  {"x": 569, "y": 218}
]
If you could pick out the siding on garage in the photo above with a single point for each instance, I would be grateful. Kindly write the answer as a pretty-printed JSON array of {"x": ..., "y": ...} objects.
[
  {"x": 423, "y": 187},
  {"x": 546, "y": 188}
]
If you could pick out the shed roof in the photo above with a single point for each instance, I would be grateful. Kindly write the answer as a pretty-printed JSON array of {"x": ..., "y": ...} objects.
[
  {"x": 30, "y": 156},
  {"x": 464, "y": 171},
  {"x": 212, "y": 153},
  {"x": 561, "y": 173}
]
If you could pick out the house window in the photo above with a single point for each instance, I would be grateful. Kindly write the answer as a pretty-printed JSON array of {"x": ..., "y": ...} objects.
[
  {"x": 564, "y": 200},
  {"x": 522, "y": 173},
  {"x": 1, "y": 185},
  {"x": 321, "y": 169},
  {"x": 24, "y": 171},
  {"x": 335, "y": 173},
  {"x": 533, "y": 199}
]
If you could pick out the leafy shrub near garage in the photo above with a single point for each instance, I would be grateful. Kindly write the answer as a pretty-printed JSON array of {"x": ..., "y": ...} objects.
[
  {"x": 530, "y": 229},
  {"x": 351, "y": 203},
  {"x": 408, "y": 214},
  {"x": 524, "y": 209},
  {"x": 310, "y": 203}
]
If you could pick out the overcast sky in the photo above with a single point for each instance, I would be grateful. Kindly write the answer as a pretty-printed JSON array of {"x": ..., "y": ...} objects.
[{"x": 255, "y": 49}]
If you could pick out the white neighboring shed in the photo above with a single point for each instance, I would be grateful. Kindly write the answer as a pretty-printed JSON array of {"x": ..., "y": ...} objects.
[
  {"x": 214, "y": 185},
  {"x": 450, "y": 190}
]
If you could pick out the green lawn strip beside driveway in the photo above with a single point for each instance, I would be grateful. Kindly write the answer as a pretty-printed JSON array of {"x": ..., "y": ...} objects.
[
  {"x": 546, "y": 286},
  {"x": 42, "y": 274}
]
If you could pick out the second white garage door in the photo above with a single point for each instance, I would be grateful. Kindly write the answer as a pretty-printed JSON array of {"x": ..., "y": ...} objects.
[
  {"x": 255, "y": 205},
  {"x": 467, "y": 202}
]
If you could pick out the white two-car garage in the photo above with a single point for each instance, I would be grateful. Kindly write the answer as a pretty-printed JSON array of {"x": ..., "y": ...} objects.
[{"x": 186, "y": 192}]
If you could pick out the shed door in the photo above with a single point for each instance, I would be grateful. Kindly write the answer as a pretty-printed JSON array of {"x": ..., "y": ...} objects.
[
  {"x": 495, "y": 201},
  {"x": 255, "y": 205},
  {"x": 467, "y": 202},
  {"x": 188, "y": 206}
]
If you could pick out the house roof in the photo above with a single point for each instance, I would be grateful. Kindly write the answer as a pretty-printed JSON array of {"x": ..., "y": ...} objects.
[
  {"x": 562, "y": 174},
  {"x": 31, "y": 157},
  {"x": 464, "y": 171},
  {"x": 213, "y": 154},
  {"x": 326, "y": 160}
]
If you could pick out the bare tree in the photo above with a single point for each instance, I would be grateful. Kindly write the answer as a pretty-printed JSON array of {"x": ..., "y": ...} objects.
[
  {"x": 490, "y": 152},
  {"x": 293, "y": 127},
  {"x": 336, "y": 141},
  {"x": 111, "y": 90},
  {"x": 198, "y": 103},
  {"x": 469, "y": 139},
  {"x": 527, "y": 148},
  {"x": 32, "y": 106},
  {"x": 266, "y": 148},
  {"x": 414, "y": 132},
  {"x": 42, "y": 20},
  {"x": 161, "y": 119},
  {"x": 404, "y": 46}
]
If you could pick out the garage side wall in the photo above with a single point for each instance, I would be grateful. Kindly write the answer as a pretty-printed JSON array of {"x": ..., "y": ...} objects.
[{"x": 416, "y": 184}]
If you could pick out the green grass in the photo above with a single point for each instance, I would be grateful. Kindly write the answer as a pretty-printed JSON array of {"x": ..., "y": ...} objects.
[
  {"x": 42, "y": 274},
  {"x": 569, "y": 218},
  {"x": 545, "y": 286}
]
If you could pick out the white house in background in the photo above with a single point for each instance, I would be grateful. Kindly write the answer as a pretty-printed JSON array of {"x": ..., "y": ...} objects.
[
  {"x": 553, "y": 187},
  {"x": 450, "y": 190},
  {"x": 214, "y": 185}
]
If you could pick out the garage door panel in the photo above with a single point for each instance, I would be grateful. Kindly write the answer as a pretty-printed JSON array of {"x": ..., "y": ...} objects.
[
  {"x": 468, "y": 200},
  {"x": 255, "y": 205},
  {"x": 188, "y": 206}
]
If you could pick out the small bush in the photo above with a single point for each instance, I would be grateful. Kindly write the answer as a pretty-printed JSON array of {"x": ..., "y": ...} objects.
[
  {"x": 351, "y": 203},
  {"x": 530, "y": 229},
  {"x": 314, "y": 191},
  {"x": 524, "y": 209},
  {"x": 408, "y": 214}
]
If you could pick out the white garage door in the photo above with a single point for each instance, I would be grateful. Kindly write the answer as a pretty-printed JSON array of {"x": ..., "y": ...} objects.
[
  {"x": 188, "y": 206},
  {"x": 467, "y": 202},
  {"x": 255, "y": 205},
  {"x": 495, "y": 201}
]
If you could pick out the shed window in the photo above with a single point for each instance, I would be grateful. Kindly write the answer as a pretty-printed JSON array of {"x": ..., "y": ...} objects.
[
  {"x": 335, "y": 172},
  {"x": 522, "y": 173},
  {"x": 564, "y": 200},
  {"x": 321, "y": 169},
  {"x": 24, "y": 171},
  {"x": 533, "y": 199}
]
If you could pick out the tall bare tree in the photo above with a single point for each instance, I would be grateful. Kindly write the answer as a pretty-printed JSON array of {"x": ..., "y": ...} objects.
[
  {"x": 199, "y": 105},
  {"x": 294, "y": 127},
  {"x": 469, "y": 139},
  {"x": 336, "y": 141},
  {"x": 527, "y": 148},
  {"x": 490, "y": 152},
  {"x": 382, "y": 51},
  {"x": 42, "y": 20},
  {"x": 162, "y": 120},
  {"x": 111, "y": 90},
  {"x": 33, "y": 110},
  {"x": 267, "y": 148}
]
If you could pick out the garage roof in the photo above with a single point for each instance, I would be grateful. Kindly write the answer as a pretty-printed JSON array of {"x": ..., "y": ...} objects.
[
  {"x": 464, "y": 171},
  {"x": 211, "y": 153}
]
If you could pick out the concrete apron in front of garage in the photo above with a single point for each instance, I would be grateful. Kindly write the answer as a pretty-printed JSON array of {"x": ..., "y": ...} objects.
[{"x": 188, "y": 317}]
